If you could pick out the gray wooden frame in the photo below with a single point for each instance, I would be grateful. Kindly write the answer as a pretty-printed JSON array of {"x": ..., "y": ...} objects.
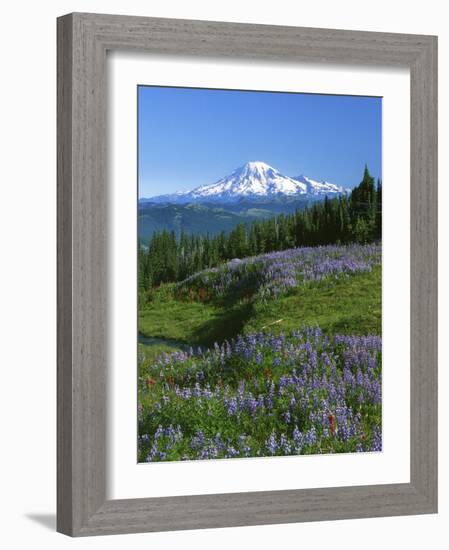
[{"x": 83, "y": 40}]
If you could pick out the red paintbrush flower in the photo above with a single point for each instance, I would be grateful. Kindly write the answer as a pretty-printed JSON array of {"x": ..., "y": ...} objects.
[
  {"x": 150, "y": 382},
  {"x": 331, "y": 419}
]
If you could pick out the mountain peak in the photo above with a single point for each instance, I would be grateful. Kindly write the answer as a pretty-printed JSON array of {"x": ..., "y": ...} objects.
[
  {"x": 255, "y": 178},
  {"x": 255, "y": 170},
  {"x": 257, "y": 165}
]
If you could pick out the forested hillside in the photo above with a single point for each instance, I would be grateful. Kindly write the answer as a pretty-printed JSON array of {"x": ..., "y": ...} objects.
[{"x": 349, "y": 218}]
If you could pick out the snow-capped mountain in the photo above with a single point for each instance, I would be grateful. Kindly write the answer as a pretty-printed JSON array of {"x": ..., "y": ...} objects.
[
  {"x": 254, "y": 180},
  {"x": 320, "y": 187}
]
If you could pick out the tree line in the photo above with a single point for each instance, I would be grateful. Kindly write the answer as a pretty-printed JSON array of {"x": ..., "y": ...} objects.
[{"x": 356, "y": 217}]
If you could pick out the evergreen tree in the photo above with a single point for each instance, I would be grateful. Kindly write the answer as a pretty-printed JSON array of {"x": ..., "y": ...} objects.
[{"x": 378, "y": 214}]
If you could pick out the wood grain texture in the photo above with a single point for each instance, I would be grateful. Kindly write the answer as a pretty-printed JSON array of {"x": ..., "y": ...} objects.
[
  {"x": 423, "y": 274},
  {"x": 64, "y": 277},
  {"x": 83, "y": 40}
]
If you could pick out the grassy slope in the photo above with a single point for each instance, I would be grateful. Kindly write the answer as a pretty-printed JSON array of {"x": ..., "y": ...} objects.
[
  {"x": 346, "y": 306},
  {"x": 349, "y": 305}
]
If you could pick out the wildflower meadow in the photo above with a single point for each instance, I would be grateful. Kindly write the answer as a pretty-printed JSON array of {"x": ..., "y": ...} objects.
[{"x": 283, "y": 389}]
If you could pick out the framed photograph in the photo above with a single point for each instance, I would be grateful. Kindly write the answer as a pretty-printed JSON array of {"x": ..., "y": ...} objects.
[{"x": 247, "y": 274}]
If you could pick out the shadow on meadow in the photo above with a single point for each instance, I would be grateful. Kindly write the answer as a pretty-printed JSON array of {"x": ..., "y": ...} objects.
[{"x": 230, "y": 322}]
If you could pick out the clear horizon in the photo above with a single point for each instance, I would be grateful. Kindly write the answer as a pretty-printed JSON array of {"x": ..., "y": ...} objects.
[{"x": 190, "y": 137}]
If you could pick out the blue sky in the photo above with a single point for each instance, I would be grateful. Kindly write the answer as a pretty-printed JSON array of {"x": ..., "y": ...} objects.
[{"x": 190, "y": 137}]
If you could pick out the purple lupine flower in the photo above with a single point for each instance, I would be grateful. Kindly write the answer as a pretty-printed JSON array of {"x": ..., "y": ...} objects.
[
  {"x": 377, "y": 440},
  {"x": 297, "y": 439},
  {"x": 310, "y": 436},
  {"x": 272, "y": 444},
  {"x": 231, "y": 452},
  {"x": 232, "y": 406}
]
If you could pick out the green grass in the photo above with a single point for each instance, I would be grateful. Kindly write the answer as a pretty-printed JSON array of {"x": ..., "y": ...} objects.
[
  {"x": 175, "y": 320},
  {"x": 347, "y": 306},
  {"x": 350, "y": 305}
]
